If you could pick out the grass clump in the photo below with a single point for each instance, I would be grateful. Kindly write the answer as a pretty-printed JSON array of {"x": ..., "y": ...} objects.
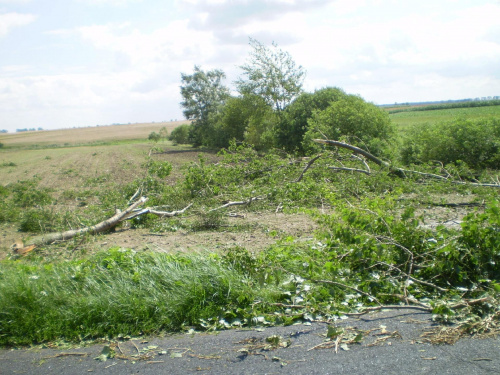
[{"x": 114, "y": 292}]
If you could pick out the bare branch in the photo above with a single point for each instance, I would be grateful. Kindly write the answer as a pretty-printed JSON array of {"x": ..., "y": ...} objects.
[
  {"x": 308, "y": 166},
  {"x": 402, "y": 171},
  {"x": 390, "y": 266},
  {"x": 349, "y": 169},
  {"x": 238, "y": 203},
  {"x": 155, "y": 211},
  {"x": 355, "y": 149},
  {"x": 389, "y": 307}
]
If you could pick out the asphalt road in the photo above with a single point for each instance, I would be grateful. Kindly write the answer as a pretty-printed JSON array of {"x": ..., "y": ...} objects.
[{"x": 391, "y": 342}]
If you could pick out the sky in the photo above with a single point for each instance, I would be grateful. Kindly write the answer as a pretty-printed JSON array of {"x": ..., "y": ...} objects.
[{"x": 74, "y": 63}]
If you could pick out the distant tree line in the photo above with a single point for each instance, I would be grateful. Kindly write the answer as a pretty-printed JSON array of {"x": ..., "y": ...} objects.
[{"x": 27, "y": 130}]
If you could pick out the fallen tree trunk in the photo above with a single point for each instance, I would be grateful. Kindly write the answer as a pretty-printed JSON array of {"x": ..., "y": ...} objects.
[
  {"x": 355, "y": 149},
  {"x": 401, "y": 171},
  {"x": 100, "y": 227}
]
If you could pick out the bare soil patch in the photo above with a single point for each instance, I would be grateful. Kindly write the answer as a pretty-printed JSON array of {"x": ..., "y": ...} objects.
[
  {"x": 260, "y": 230},
  {"x": 254, "y": 232}
]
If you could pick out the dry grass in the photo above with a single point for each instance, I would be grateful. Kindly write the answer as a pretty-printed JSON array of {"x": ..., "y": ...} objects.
[{"x": 74, "y": 136}]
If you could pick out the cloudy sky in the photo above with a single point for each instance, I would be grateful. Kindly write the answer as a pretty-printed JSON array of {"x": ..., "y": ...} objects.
[{"x": 67, "y": 63}]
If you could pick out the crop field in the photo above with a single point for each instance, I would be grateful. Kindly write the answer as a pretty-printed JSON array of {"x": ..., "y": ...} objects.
[
  {"x": 242, "y": 238},
  {"x": 405, "y": 119},
  {"x": 84, "y": 136}
]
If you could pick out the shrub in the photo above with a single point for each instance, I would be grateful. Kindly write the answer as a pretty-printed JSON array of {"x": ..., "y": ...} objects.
[
  {"x": 246, "y": 118},
  {"x": 38, "y": 221},
  {"x": 293, "y": 125},
  {"x": 154, "y": 136},
  {"x": 211, "y": 220},
  {"x": 180, "y": 135},
  {"x": 474, "y": 142},
  {"x": 8, "y": 212},
  {"x": 352, "y": 119}
]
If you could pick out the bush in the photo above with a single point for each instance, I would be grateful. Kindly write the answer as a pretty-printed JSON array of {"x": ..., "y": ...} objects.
[
  {"x": 351, "y": 119},
  {"x": 154, "y": 136},
  {"x": 180, "y": 135},
  {"x": 293, "y": 125},
  {"x": 474, "y": 142},
  {"x": 247, "y": 118}
]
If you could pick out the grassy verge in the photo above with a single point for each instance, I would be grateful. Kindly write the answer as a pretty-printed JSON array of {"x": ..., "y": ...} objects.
[
  {"x": 118, "y": 292},
  {"x": 363, "y": 257}
]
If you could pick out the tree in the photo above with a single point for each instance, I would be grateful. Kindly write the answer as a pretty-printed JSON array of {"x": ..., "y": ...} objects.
[
  {"x": 164, "y": 133},
  {"x": 351, "y": 119},
  {"x": 271, "y": 74},
  {"x": 293, "y": 124},
  {"x": 244, "y": 118},
  {"x": 203, "y": 94}
]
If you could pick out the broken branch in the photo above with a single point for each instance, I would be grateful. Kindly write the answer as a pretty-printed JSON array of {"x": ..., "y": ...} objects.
[
  {"x": 308, "y": 166},
  {"x": 238, "y": 203},
  {"x": 401, "y": 171},
  {"x": 348, "y": 287},
  {"x": 155, "y": 211},
  {"x": 100, "y": 227},
  {"x": 355, "y": 149}
]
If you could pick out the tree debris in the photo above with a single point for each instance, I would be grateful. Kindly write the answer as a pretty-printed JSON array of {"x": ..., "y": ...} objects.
[{"x": 401, "y": 172}]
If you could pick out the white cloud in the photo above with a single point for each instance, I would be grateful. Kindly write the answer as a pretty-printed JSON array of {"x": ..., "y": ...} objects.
[
  {"x": 14, "y": 1},
  {"x": 220, "y": 14},
  {"x": 169, "y": 44},
  {"x": 127, "y": 68},
  {"x": 68, "y": 100},
  {"x": 13, "y": 19},
  {"x": 110, "y": 2}
]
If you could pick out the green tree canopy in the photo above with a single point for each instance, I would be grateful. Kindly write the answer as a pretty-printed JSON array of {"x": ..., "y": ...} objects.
[
  {"x": 351, "y": 119},
  {"x": 293, "y": 124},
  {"x": 203, "y": 94},
  {"x": 272, "y": 74},
  {"x": 244, "y": 118}
]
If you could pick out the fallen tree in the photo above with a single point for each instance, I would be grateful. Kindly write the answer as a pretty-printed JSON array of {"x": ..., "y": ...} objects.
[
  {"x": 131, "y": 212},
  {"x": 401, "y": 172},
  {"x": 63, "y": 236}
]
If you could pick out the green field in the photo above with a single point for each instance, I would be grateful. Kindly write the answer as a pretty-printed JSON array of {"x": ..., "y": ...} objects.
[{"x": 403, "y": 120}]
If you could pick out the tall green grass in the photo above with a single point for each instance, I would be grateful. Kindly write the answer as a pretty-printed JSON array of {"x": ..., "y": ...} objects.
[{"x": 118, "y": 292}]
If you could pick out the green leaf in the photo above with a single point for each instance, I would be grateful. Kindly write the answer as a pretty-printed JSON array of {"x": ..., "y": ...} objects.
[{"x": 333, "y": 332}]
